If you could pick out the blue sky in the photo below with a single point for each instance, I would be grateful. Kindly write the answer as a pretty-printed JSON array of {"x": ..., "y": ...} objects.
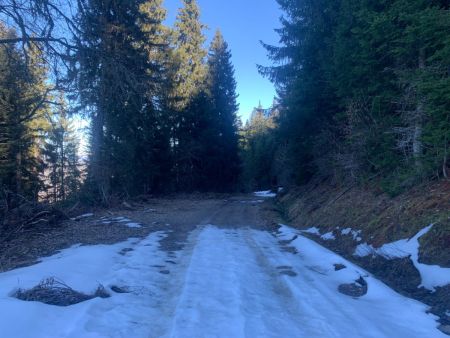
[{"x": 243, "y": 23}]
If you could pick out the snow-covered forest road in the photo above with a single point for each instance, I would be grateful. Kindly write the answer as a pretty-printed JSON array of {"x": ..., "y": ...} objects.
[{"x": 226, "y": 277}]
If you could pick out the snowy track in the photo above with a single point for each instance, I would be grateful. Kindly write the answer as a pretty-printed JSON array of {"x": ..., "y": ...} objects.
[
  {"x": 241, "y": 283},
  {"x": 225, "y": 282}
]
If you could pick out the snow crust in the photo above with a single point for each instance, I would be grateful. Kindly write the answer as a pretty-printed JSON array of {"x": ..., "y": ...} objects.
[
  {"x": 225, "y": 283},
  {"x": 83, "y": 268}
]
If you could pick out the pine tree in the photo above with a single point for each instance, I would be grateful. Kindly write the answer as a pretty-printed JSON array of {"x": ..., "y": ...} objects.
[
  {"x": 364, "y": 89},
  {"x": 301, "y": 78},
  {"x": 223, "y": 165},
  {"x": 63, "y": 174},
  {"x": 23, "y": 104},
  {"x": 188, "y": 93},
  {"x": 388, "y": 64},
  {"x": 154, "y": 149},
  {"x": 119, "y": 78},
  {"x": 189, "y": 54}
]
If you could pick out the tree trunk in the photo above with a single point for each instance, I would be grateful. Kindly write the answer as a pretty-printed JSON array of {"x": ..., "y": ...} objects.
[
  {"x": 97, "y": 166},
  {"x": 418, "y": 121},
  {"x": 63, "y": 170},
  {"x": 444, "y": 164},
  {"x": 18, "y": 167}
]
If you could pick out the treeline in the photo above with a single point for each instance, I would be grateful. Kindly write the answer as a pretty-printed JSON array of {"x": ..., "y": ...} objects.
[
  {"x": 364, "y": 92},
  {"x": 162, "y": 108}
]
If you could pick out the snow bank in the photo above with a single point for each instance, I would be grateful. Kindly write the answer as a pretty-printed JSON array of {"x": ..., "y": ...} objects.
[
  {"x": 432, "y": 275},
  {"x": 225, "y": 283},
  {"x": 234, "y": 288},
  {"x": 83, "y": 268},
  {"x": 379, "y": 304},
  {"x": 364, "y": 250}
]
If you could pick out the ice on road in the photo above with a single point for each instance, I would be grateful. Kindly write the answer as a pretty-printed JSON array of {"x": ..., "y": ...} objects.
[{"x": 228, "y": 283}]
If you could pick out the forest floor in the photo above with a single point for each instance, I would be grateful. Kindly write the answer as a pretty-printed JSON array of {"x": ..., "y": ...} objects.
[{"x": 220, "y": 266}]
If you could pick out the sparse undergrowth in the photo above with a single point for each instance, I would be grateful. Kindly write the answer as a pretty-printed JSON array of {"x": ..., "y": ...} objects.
[{"x": 381, "y": 218}]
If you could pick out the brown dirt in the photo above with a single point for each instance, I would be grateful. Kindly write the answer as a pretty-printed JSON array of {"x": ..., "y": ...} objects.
[
  {"x": 181, "y": 214},
  {"x": 381, "y": 218}
]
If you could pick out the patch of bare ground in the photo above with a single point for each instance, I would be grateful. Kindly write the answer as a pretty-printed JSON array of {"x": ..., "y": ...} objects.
[
  {"x": 103, "y": 227},
  {"x": 381, "y": 219},
  {"x": 177, "y": 214}
]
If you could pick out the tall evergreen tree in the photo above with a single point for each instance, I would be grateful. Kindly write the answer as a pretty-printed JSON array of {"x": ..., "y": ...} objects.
[
  {"x": 189, "y": 54},
  {"x": 187, "y": 94},
  {"x": 387, "y": 69},
  {"x": 300, "y": 76},
  {"x": 363, "y": 87},
  {"x": 23, "y": 104},
  {"x": 60, "y": 152},
  {"x": 223, "y": 163},
  {"x": 118, "y": 81}
]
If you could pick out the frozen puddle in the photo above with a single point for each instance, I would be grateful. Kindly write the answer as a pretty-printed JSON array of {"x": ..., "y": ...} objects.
[{"x": 225, "y": 283}]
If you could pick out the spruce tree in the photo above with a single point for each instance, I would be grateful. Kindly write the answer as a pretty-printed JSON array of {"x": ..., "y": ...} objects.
[
  {"x": 387, "y": 69},
  {"x": 364, "y": 89},
  {"x": 301, "y": 78},
  {"x": 187, "y": 94},
  {"x": 118, "y": 80},
  {"x": 60, "y": 152},
  {"x": 223, "y": 166},
  {"x": 258, "y": 150},
  {"x": 23, "y": 105},
  {"x": 189, "y": 54}
]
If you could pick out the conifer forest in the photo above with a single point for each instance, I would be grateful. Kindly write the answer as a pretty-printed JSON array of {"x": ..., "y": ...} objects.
[
  {"x": 144, "y": 192},
  {"x": 363, "y": 92}
]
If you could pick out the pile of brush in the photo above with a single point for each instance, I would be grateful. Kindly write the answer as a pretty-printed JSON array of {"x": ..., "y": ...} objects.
[
  {"x": 53, "y": 292},
  {"x": 17, "y": 214}
]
